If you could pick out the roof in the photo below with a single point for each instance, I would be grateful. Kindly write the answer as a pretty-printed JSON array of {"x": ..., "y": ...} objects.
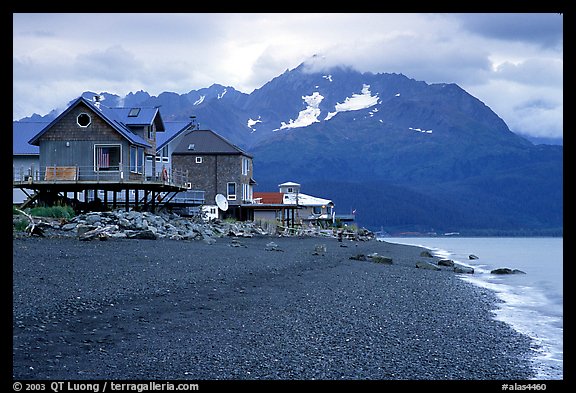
[
  {"x": 172, "y": 130},
  {"x": 22, "y": 131},
  {"x": 305, "y": 200},
  {"x": 206, "y": 142},
  {"x": 289, "y": 184},
  {"x": 269, "y": 197},
  {"x": 135, "y": 116},
  {"x": 117, "y": 118}
]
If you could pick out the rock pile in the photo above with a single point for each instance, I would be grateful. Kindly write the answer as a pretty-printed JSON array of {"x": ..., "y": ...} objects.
[{"x": 143, "y": 225}]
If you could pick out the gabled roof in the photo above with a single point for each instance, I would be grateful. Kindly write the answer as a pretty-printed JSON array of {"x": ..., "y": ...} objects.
[
  {"x": 172, "y": 130},
  {"x": 135, "y": 116},
  {"x": 206, "y": 142},
  {"x": 117, "y": 118},
  {"x": 22, "y": 131}
]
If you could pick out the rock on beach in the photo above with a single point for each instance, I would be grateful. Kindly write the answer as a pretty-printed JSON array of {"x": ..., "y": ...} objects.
[{"x": 233, "y": 310}]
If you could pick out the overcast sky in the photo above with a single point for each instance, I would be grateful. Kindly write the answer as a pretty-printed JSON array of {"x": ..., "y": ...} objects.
[{"x": 511, "y": 62}]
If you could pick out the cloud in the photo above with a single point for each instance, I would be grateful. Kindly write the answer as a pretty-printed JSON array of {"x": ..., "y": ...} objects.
[
  {"x": 505, "y": 60},
  {"x": 540, "y": 72},
  {"x": 543, "y": 29}
]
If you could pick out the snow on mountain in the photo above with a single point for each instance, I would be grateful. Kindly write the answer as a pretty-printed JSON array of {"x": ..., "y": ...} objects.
[
  {"x": 199, "y": 100},
  {"x": 310, "y": 114},
  {"x": 251, "y": 123},
  {"x": 356, "y": 102},
  {"x": 306, "y": 116},
  {"x": 420, "y": 130}
]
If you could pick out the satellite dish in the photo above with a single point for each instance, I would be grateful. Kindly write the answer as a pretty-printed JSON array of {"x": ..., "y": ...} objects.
[{"x": 222, "y": 202}]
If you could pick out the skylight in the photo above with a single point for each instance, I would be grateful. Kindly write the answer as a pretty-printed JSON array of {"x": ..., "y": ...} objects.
[{"x": 134, "y": 112}]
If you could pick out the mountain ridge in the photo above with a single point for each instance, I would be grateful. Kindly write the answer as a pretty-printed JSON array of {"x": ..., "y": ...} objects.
[{"x": 429, "y": 145}]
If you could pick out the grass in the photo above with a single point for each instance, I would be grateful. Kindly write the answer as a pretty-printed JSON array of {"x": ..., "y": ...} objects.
[{"x": 59, "y": 211}]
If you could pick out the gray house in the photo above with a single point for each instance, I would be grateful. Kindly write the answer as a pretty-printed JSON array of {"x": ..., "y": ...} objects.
[
  {"x": 100, "y": 142},
  {"x": 216, "y": 166},
  {"x": 106, "y": 153}
]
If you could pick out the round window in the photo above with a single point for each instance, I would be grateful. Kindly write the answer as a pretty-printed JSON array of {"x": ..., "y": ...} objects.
[{"x": 83, "y": 120}]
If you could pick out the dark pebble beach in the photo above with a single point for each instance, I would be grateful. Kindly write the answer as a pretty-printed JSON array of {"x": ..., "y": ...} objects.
[{"x": 132, "y": 309}]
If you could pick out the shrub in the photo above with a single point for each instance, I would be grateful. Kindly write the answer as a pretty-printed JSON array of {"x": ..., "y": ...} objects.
[{"x": 63, "y": 211}]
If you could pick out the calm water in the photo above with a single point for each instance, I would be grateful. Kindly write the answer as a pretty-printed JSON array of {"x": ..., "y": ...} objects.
[{"x": 532, "y": 302}]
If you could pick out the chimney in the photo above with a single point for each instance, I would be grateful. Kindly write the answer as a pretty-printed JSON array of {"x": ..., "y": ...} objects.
[{"x": 97, "y": 99}]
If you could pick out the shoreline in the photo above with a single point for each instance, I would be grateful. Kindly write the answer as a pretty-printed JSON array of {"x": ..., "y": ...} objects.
[{"x": 237, "y": 309}]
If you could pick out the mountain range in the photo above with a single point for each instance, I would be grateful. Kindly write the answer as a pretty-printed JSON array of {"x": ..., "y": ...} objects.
[{"x": 406, "y": 155}]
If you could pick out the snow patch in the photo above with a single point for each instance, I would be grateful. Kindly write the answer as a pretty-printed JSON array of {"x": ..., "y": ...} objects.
[
  {"x": 220, "y": 95},
  {"x": 306, "y": 116},
  {"x": 356, "y": 102},
  {"x": 327, "y": 77},
  {"x": 420, "y": 130},
  {"x": 251, "y": 123},
  {"x": 199, "y": 100}
]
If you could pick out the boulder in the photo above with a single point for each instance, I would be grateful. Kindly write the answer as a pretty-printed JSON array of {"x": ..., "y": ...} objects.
[
  {"x": 426, "y": 265},
  {"x": 506, "y": 270},
  {"x": 426, "y": 254},
  {"x": 446, "y": 262},
  {"x": 382, "y": 259}
]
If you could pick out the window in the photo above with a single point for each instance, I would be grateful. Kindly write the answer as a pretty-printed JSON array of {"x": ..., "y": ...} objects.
[
  {"x": 290, "y": 190},
  {"x": 245, "y": 165},
  {"x": 136, "y": 159},
  {"x": 317, "y": 210},
  {"x": 83, "y": 120},
  {"x": 231, "y": 190},
  {"x": 198, "y": 160},
  {"x": 247, "y": 192},
  {"x": 133, "y": 112},
  {"x": 163, "y": 155},
  {"x": 107, "y": 157}
]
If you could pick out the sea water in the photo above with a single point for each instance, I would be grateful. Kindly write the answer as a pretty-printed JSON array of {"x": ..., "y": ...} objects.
[{"x": 532, "y": 303}]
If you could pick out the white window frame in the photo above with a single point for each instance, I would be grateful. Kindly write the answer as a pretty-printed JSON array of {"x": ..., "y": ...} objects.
[
  {"x": 245, "y": 166},
  {"x": 198, "y": 160},
  {"x": 97, "y": 167},
  {"x": 231, "y": 197},
  {"x": 139, "y": 160},
  {"x": 163, "y": 155},
  {"x": 89, "y": 119}
]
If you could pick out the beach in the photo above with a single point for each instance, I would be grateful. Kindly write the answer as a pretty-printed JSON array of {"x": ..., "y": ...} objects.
[{"x": 246, "y": 309}]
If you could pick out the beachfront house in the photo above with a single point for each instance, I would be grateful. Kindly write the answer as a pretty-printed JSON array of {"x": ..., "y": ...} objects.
[
  {"x": 97, "y": 150},
  {"x": 290, "y": 206},
  {"x": 92, "y": 141},
  {"x": 215, "y": 166}
]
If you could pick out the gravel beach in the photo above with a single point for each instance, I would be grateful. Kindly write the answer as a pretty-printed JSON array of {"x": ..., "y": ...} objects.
[{"x": 240, "y": 309}]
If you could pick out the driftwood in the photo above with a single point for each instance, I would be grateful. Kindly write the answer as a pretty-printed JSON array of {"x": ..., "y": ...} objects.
[
  {"x": 32, "y": 228},
  {"x": 100, "y": 233}
]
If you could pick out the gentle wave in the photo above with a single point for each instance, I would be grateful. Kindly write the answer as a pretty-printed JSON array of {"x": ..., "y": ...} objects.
[{"x": 532, "y": 303}]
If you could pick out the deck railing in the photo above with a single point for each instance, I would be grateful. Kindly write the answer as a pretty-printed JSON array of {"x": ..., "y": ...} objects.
[{"x": 77, "y": 174}]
